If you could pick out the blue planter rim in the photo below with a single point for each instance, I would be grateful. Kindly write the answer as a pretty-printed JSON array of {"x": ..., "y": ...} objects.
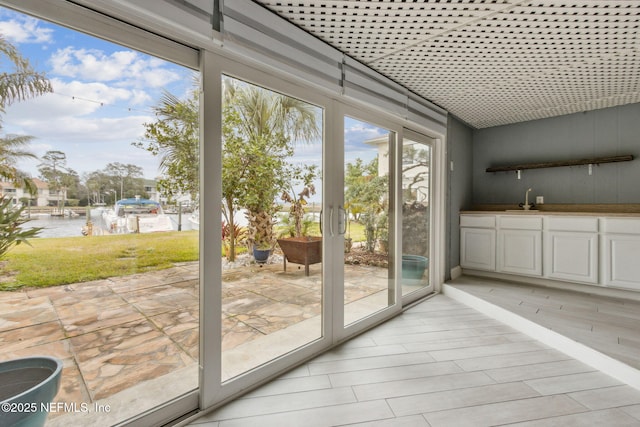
[{"x": 43, "y": 362}]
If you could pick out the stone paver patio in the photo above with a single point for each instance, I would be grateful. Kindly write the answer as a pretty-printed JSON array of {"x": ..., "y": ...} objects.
[{"x": 118, "y": 333}]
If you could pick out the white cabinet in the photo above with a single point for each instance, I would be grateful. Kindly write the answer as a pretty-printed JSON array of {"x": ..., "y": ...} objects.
[
  {"x": 478, "y": 242},
  {"x": 588, "y": 249},
  {"x": 621, "y": 252},
  {"x": 519, "y": 245},
  {"x": 571, "y": 249}
]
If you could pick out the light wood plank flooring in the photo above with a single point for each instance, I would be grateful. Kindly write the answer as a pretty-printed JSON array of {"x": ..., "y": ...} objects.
[{"x": 440, "y": 363}]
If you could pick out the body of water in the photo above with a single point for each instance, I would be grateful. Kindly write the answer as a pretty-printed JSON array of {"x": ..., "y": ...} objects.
[
  {"x": 55, "y": 226},
  {"x": 72, "y": 227}
]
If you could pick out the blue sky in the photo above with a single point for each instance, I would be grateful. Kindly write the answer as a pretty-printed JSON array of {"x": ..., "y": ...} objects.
[{"x": 103, "y": 93}]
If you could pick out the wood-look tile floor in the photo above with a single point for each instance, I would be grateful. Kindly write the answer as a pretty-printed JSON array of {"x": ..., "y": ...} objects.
[
  {"x": 440, "y": 363},
  {"x": 609, "y": 325}
]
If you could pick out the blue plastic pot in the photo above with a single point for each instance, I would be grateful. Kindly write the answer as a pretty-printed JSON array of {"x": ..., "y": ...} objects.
[
  {"x": 27, "y": 387},
  {"x": 413, "y": 266}
]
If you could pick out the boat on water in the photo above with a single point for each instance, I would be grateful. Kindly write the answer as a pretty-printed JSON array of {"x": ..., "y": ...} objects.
[
  {"x": 136, "y": 215},
  {"x": 194, "y": 219}
]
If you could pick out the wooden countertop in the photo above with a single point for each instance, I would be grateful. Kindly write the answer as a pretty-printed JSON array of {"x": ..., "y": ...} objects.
[
  {"x": 613, "y": 210},
  {"x": 538, "y": 212}
]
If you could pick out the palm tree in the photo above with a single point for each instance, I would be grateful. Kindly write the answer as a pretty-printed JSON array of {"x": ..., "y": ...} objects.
[
  {"x": 266, "y": 114},
  {"x": 267, "y": 124},
  {"x": 13, "y": 149},
  {"x": 22, "y": 83}
]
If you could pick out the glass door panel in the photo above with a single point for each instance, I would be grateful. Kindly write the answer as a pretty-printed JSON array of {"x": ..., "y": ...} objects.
[
  {"x": 368, "y": 280},
  {"x": 272, "y": 273},
  {"x": 416, "y": 167},
  {"x": 111, "y": 286}
]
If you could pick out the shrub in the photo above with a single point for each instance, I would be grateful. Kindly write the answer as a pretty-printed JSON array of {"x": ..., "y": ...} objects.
[{"x": 11, "y": 230}]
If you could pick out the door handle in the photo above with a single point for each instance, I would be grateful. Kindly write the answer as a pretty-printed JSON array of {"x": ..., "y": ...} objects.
[
  {"x": 321, "y": 222},
  {"x": 331, "y": 222},
  {"x": 342, "y": 220}
]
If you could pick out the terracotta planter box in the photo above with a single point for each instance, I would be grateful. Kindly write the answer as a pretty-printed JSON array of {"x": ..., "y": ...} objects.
[{"x": 301, "y": 250}]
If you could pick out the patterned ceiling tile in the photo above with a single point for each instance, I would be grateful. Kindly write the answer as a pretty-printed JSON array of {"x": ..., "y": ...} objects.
[{"x": 489, "y": 62}]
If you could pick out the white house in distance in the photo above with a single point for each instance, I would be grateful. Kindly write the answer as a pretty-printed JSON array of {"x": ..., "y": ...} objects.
[{"x": 44, "y": 197}]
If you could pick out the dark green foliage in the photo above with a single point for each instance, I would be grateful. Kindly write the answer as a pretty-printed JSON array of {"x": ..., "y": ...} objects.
[{"x": 11, "y": 230}]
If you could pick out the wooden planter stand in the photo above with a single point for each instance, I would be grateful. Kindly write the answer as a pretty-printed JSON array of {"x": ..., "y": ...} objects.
[{"x": 301, "y": 250}]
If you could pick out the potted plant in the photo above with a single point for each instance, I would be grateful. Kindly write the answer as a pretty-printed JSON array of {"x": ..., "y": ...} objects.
[
  {"x": 261, "y": 252},
  {"x": 262, "y": 239},
  {"x": 300, "y": 248}
]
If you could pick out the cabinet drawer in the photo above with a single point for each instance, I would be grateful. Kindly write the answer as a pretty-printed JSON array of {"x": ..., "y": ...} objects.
[
  {"x": 479, "y": 221},
  {"x": 520, "y": 223},
  {"x": 621, "y": 225},
  {"x": 571, "y": 224}
]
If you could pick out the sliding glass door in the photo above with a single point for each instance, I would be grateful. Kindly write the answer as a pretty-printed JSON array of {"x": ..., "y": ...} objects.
[
  {"x": 368, "y": 279},
  {"x": 272, "y": 274},
  {"x": 319, "y": 190},
  {"x": 416, "y": 212}
]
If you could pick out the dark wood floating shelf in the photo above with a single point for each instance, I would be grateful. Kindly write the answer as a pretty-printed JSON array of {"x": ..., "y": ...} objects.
[{"x": 592, "y": 161}]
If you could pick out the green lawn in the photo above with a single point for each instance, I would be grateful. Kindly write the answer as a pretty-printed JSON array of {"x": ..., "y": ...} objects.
[{"x": 59, "y": 261}]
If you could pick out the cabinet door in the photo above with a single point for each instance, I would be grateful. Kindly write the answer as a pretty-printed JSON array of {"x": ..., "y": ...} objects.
[
  {"x": 621, "y": 261},
  {"x": 571, "y": 256},
  {"x": 478, "y": 248},
  {"x": 520, "y": 252}
]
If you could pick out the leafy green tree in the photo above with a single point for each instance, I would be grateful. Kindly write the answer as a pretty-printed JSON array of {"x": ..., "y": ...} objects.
[
  {"x": 98, "y": 185},
  {"x": 259, "y": 127},
  {"x": 366, "y": 193},
  {"x": 235, "y": 169},
  {"x": 125, "y": 176},
  {"x": 53, "y": 170},
  {"x": 415, "y": 164},
  {"x": 175, "y": 137},
  {"x": 11, "y": 222}
]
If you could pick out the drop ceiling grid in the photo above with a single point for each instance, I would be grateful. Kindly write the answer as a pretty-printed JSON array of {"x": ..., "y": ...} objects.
[{"x": 490, "y": 62}]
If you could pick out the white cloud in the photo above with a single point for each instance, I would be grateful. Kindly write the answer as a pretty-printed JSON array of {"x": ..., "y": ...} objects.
[
  {"x": 126, "y": 67},
  {"x": 74, "y": 127},
  {"x": 74, "y": 98},
  {"x": 92, "y": 133},
  {"x": 24, "y": 29}
]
